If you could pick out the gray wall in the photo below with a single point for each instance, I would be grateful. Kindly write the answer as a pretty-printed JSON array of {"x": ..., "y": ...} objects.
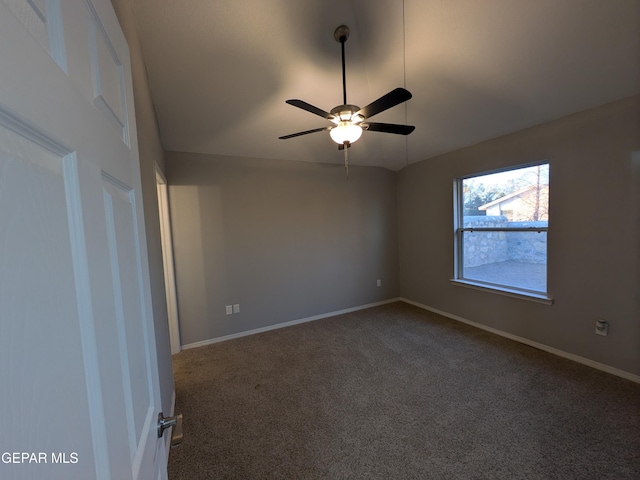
[
  {"x": 285, "y": 240},
  {"x": 593, "y": 240},
  {"x": 150, "y": 148}
]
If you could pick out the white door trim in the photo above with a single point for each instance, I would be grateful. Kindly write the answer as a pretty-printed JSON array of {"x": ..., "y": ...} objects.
[{"x": 167, "y": 261}]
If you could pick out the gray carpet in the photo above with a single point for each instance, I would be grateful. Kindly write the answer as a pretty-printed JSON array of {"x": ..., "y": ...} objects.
[{"x": 395, "y": 392}]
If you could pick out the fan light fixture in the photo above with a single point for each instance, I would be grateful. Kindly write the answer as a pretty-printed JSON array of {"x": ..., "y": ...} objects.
[{"x": 345, "y": 132}]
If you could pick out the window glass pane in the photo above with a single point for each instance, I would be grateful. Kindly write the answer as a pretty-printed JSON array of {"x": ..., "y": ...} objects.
[
  {"x": 520, "y": 195},
  {"x": 515, "y": 259}
]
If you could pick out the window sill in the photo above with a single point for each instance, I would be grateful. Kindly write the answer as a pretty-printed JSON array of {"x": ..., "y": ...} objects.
[{"x": 529, "y": 296}]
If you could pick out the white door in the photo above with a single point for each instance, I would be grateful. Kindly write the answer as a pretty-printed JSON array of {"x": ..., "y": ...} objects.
[{"x": 79, "y": 390}]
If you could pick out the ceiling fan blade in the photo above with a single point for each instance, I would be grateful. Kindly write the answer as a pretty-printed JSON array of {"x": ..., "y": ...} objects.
[
  {"x": 391, "y": 99},
  {"x": 304, "y": 133},
  {"x": 389, "y": 128},
  {"x": 310, "y": 108}
]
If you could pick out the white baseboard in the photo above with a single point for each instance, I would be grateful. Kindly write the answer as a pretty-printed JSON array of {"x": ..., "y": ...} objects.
[
  {"x": 531, "y": 343},
  {"x": 286, "y": 324}
]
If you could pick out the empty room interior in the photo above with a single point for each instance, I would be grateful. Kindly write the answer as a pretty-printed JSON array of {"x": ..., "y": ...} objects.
[
  {"x": 276, "y": 227},
  {"x": 448, "y": 290},
  {"x": 281, "y": 230}
]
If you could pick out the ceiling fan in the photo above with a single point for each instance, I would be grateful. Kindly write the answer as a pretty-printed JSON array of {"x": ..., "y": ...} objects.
[{"x": 349, "y": 121}]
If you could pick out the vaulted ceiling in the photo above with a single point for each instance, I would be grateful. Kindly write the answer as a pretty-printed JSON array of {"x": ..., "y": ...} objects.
[{"x": 221, "y": 70}]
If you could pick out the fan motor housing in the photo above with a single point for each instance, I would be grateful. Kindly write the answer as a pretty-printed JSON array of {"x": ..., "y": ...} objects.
[{"x": 346, "y": 113}]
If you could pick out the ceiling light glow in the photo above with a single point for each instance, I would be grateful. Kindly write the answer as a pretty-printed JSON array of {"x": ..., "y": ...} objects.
[{"x": 345, "y": 132}]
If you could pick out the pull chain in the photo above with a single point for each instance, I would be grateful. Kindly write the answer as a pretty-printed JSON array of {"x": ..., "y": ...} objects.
[{"x": 346, "y": 158}]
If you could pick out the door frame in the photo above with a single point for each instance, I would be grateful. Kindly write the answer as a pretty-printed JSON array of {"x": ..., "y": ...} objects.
[{"x": 167, "y": 261}]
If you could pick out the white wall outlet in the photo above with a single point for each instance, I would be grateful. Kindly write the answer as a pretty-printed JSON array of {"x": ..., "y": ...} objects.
[
  {"x": 236, "y": 308},
  {"x": 229, "y": 309},
  {"x": 379, "y": 283},
  {"x": 602, "y": 327}
]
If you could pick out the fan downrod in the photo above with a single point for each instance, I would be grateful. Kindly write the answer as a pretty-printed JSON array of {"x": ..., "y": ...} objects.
[{"x": 341, "y": 35}]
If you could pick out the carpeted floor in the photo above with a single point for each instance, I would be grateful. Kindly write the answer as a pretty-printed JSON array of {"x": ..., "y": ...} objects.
[{"x": 395, "y": 392}]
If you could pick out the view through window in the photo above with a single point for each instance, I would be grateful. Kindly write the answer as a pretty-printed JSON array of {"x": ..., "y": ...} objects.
[{"x": 501, "y": 229}]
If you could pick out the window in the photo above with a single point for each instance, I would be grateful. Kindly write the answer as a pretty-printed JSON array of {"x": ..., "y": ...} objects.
[{"x": 501, "y": 224}]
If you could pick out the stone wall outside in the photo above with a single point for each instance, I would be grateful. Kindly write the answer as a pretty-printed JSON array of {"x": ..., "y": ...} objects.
[
  {"x": 528, "y": 247},
  {"x": 481, "y": 248}
]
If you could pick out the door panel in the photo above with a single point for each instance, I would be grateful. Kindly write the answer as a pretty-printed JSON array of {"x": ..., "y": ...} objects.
[
  {"x": 33, "y": 15},
  {"x": 42, "y": 19},
  {"x": 107, "y": 74},
  {"x": 127, "y": 283},
  {"x": 40, "y": 342}
]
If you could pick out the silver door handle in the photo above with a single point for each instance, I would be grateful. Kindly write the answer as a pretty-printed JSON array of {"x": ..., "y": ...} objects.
[{"x": 176, "y": 422}]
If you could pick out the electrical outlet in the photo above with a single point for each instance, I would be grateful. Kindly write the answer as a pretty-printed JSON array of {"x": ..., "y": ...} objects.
[
  {"x": 236, "y": 308},
  {"x": 379, "y": 283},
  {"x": 229, "y": 309},
  {"x": 602, "y": 327}
]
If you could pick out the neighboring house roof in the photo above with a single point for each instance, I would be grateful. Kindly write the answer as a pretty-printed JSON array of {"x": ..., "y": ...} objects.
[{"x": 509, "y": 196}]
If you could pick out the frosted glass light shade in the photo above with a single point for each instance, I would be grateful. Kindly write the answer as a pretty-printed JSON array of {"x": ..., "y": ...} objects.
[{"x": 345, "y": 132}]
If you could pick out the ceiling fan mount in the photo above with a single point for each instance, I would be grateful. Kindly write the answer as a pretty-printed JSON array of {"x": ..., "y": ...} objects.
[
  {"x": 341, "y": 34},
  {"x": 349, "y": 121}
]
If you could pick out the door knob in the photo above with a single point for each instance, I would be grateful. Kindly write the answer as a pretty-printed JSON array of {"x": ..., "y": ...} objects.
[{"x": 176, "y": 422}]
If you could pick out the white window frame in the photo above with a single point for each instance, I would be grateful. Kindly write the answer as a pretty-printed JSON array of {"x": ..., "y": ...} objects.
[{"x": 459, "y": 230}]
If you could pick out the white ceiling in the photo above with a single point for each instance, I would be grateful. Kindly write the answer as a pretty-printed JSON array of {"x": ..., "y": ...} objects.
[{"x": 221, "y": 70}]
